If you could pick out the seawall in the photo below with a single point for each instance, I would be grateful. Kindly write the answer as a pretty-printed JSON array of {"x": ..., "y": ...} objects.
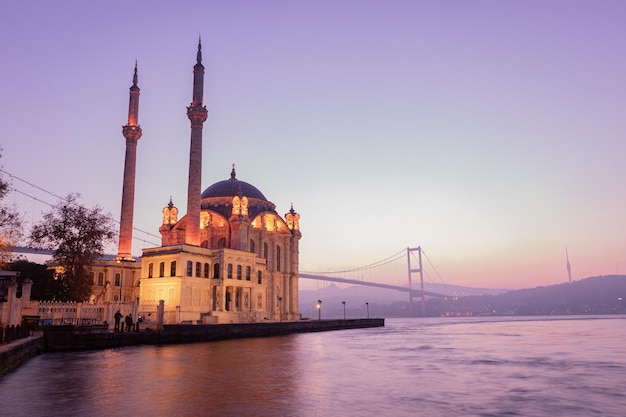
[
  {"x": 60, "y": 338},
  {"x": 13, "y": 354}
]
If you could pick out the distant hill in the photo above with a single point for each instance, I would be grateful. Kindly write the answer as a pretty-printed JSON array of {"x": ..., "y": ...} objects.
[{"x": 595, "y": 295}]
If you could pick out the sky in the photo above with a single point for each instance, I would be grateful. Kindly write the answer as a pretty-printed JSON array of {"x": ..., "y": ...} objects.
[{"x": 490, "y": 133}]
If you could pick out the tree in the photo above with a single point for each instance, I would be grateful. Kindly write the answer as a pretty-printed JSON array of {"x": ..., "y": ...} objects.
[
  {"x": 45, "y": 287},
  {"x": 10, "y": 226},
  {"x": 77, "y": 236}
]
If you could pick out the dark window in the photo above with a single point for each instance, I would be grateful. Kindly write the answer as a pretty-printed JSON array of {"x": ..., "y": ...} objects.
[
  {"x": 198, "y": 269},
  {"x": 150, "y": 270},
  {"x": 162, "y": 269},
  {"x": 189, "y": 268},
  {"x": 265, "y": 250},
  {"x": 229, "y": 273},
  {"x": 252, "y": 246},
  {"x": 206, "y": 270},
  {"x": 173, "y": 269},
  {"x": 101, "y": 278},
  {"x": 93, "y": 278},
  {"x": 238, "y": 271},
  {"x": 248, "y": 271},
  {"x": 277, "y": 258},
  {"x": 259, "y": 274},
  {"x": 221, "y": 243},
  {"x": 118, "y": 280},
  {"x": 216, "y": 271}
]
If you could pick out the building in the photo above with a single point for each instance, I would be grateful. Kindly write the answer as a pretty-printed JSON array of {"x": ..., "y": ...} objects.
[{"x": 230, "y": 259}]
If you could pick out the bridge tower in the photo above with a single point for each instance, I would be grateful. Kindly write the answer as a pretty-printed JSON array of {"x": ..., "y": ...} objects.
[{"x": 409, "y": 252}]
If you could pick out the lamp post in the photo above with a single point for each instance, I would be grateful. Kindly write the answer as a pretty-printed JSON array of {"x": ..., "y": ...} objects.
[
  {"x": 121, "y": 262},
  {"x": 344, "y": 309},
  {"x": 319, "y": 310},
  {"x": 367, "y": 306}
]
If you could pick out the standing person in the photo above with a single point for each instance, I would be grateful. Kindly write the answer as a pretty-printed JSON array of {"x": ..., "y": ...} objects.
[
  {"x": 129, "y": 323},
  {"x": 118, "y": 318}
]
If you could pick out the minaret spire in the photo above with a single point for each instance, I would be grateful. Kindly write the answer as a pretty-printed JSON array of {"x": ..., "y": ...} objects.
[
  {"x": 132, "y": 133},
  {"x": 197, "y": 114}
]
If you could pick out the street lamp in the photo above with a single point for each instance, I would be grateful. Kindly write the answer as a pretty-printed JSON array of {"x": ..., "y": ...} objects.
[
  {"x": 367, "y": 306},
  {"x": 121, "y": 262},
  {"x": 344, "y": 309},
  {"x": 319, "y": 309}
]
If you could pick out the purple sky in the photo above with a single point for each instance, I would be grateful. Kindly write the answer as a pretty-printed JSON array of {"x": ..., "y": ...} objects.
[{"x": 491, "y": 133}]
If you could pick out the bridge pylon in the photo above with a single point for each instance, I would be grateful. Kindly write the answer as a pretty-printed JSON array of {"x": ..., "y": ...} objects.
[{"x": 409, "y": 252}]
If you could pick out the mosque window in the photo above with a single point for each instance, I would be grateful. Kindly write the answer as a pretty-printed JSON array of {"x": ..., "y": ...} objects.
[
  {"x": 101, "y": 278},
  {"x": 206, "y": 270},
  {"x": 277, "y": 258},
  {"x": 118, "y": 280},
  {"x": 248, "y": 271},
  {"x": 238, "y": 271},
  {"x": 229, "y": 274},
  {"x": 93, "y": 278},
  {"x": 198, "y": 269},
  {"x": 252, "y": 246},
  {"x": 189, "y": 268},
  {"x": 162, "y": 269},
  {"x": 150, "y": 270},
  {"x": 216, "y": 271},
  {"x": 173, "y": 269},
  {"x": 259, "y": 275}
]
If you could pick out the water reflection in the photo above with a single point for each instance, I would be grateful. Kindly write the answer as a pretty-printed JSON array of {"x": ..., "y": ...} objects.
[{"x": 429, "y": 367}]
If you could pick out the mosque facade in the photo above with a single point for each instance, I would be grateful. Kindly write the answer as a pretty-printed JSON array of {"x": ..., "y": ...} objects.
[{"x": 230, "y": 259}]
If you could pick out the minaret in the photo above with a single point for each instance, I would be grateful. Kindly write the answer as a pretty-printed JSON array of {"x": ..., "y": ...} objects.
[
  {"x": 132, "y": 133},
  {"x": 197, "y": 114}
]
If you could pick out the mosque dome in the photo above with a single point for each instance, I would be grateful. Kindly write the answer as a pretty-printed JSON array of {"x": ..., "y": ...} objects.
[{"x": 232, "y": 187}]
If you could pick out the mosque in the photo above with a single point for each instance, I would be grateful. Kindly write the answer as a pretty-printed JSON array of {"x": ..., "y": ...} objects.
[{"x": 230, "y": 259}]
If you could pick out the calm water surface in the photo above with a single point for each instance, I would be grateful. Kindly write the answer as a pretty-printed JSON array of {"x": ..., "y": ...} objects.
[{"x": 563, "y": 366}]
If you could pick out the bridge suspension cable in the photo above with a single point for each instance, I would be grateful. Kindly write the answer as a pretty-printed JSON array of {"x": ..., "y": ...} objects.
[{"x": 388, "y": 260}]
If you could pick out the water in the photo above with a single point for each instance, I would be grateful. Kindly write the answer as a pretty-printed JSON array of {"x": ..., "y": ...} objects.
[{"x": 563, "y": 366}]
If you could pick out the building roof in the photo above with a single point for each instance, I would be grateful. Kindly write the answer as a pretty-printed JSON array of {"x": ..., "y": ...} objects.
[{"x": 231, "y": 188}]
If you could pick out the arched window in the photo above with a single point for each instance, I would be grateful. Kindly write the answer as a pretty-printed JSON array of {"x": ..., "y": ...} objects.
[
  {"x": 173, "y": 269},
  {"x": 229, "y": 272},
  {"x": 101, "y": 278},
  {"x": 259, "y": 275},
  {"x": 198, "y": 269},
  {"x": 216, "y": 271},
  {"x": 238, "y": 271},
  {"x": 248, "y": 271},
  {"x": 93, "y": 278},
  {"x": 162, "y": 269},
  {"x": 206, "y": 270},
  {"x": 277, "y": 258},
  {"x": 252, "y": 246},
  {"x": 150, "y": 270},
  {"x": 189, "y": 268},
  {"x": 118, "y": 280}
]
